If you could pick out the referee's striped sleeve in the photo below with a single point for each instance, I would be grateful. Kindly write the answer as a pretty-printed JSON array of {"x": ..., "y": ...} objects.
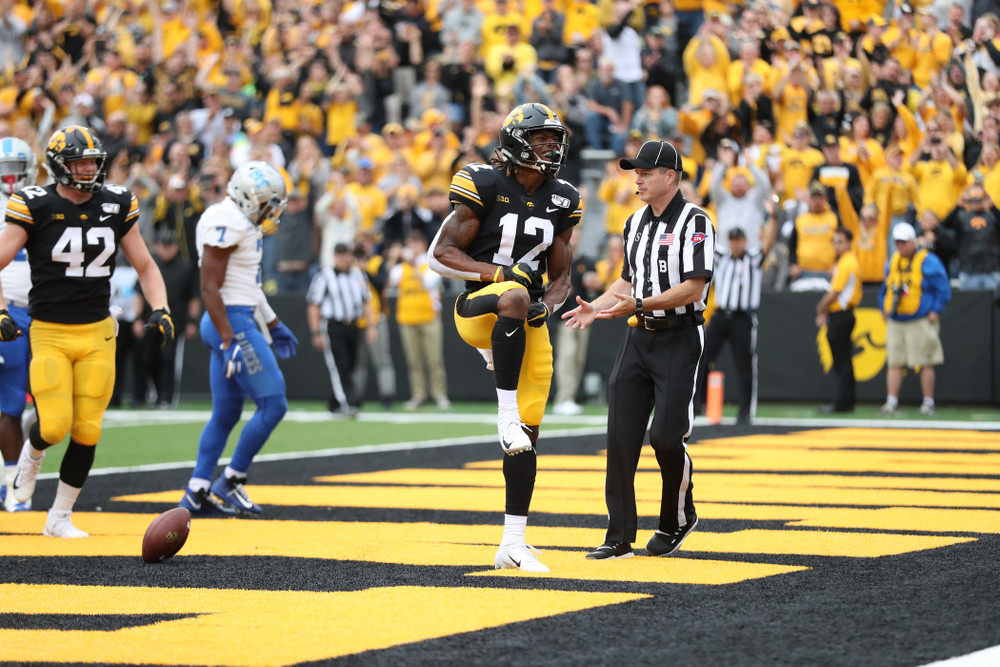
[{"x": 699, "y": 246}]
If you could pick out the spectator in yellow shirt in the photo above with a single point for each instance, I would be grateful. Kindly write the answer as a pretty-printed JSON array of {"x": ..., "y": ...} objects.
[
  {"x": 835, "y": 311},
  {"x": 893, "y": 190},
  {"x": 859, "y": 149},
  {"x": 810, "y": 246},
  {"x": 798, "y": 162},
  {"x": 371, "y": 201},
  {"x": 505, "y": 60},
  {"x": 941, "y": 179}
]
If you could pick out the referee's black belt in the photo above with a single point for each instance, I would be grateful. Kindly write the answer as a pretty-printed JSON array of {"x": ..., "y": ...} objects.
[
  {"x": 733, "y": 313},
  {"x": 669, "y": 322}
]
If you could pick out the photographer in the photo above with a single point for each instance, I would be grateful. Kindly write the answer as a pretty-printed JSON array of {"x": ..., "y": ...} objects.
[{"x": 913, "y": 298}]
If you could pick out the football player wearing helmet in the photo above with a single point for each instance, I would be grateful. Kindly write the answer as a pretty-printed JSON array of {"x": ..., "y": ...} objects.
[
  {"x": 511, "y": 223},
  {"x": 18, "y": 169},
  {"x": 230, "y": 238},
  {"x": 72, "y": 231}
]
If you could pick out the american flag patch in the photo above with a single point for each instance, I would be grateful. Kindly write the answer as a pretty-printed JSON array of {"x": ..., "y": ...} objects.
[{"x": 666, "y": 239}]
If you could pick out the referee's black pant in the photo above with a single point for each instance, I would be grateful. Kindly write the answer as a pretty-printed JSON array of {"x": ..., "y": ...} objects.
[
  {"x": 839, "y": 329},
  {"x": 654, "y": 369},
  {"x": 341, "y": 358},
  {"x": 740, "y": 329}
]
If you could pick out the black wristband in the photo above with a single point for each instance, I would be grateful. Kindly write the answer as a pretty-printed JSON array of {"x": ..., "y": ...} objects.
[{"x": 638, "y": 306}]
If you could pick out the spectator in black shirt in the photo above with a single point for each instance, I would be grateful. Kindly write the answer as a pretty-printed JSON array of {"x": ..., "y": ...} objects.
[{"x": 976, "y": 224}]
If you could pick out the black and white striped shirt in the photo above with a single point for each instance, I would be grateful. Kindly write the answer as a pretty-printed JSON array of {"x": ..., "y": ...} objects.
[
  {"x": 737, "y": 281},
  {"x": 340, "y": 296},
  {"x": 662, "y": 252}
]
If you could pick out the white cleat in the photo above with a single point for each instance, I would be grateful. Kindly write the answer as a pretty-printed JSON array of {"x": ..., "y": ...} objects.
[
  {"x": 518, "y": 557},
  {"x": 513, "y": 438},
  {"x": 23, "y": 486},
  {"x": 60, "y": 524}
]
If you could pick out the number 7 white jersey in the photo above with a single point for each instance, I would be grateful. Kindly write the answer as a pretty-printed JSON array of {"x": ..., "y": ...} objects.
[
  {"x": 71, "y": 249},
  {"x": 223, "y": 225}
]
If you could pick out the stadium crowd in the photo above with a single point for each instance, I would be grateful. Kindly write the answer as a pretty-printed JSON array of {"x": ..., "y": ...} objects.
[{"x": 864, "y": 114}]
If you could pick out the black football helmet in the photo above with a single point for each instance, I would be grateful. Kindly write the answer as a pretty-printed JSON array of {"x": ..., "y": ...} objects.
[
  {"x": 75, "y": 142},
  {"x": 516, "y": 144}
]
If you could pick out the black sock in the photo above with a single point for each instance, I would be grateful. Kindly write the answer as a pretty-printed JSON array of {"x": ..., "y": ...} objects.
[
  {"x": 76, "y": 463},
  {"x": 519, "y": 473},
  {"x": 508, "y": 351}
]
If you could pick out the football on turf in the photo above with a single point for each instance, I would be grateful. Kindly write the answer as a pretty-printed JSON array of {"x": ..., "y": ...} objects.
[{"x": 166, "y": 535}]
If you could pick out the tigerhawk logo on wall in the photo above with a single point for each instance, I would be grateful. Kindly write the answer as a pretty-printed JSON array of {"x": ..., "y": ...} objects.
[{"x": 869, "y": 344}]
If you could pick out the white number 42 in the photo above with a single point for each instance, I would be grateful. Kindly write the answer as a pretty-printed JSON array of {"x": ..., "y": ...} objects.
[{"x": 69, "y": 250}]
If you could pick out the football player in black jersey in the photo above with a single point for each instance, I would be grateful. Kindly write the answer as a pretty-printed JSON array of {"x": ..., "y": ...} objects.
[
  {"x": 511, "y": 223},
  {"x": 72, "y": 231}
]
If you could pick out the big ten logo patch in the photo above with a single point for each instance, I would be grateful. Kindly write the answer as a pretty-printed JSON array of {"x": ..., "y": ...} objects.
[{"x": 868, "y": 340}]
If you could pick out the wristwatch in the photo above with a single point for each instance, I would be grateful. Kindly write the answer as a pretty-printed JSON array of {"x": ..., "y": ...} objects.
[{"x": 638, "y": 307}]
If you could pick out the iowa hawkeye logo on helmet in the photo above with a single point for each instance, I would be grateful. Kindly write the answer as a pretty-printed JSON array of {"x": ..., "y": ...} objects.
[
  {"x": 517, "y": 145},
  {"x": 70, "y": 143}
]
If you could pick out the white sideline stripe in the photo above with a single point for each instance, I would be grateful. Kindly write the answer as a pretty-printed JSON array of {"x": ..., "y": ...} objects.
[
  {"x": 340, "y": 451},
  {"x": 988, "y": 657},
  {"x": 155, "y": 417},
  {"x": 115, "y": 419}
]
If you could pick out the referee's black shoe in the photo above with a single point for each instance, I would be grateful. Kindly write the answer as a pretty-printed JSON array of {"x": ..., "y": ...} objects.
[
  {"x": 664, "y": 544},
  {"x": 611, "y": 550}
]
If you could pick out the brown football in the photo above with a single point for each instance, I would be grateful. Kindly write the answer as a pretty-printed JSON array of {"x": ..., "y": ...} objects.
[{"x": 166, "y": 535}]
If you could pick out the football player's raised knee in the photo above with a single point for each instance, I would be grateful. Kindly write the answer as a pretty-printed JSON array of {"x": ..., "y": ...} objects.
[
  {"x": 514, "y": 303},
  {"x": 54, "y": 429},
  {"x": 86, "y": 432}
]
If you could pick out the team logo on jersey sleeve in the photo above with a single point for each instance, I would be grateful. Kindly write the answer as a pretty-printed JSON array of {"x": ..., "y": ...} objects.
[
  {"x": 560, "y": 201},
  {"x": 111, "y": 208}
]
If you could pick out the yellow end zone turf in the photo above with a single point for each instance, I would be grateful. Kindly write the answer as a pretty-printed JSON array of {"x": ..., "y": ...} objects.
[{"x": 233, "y": 627}]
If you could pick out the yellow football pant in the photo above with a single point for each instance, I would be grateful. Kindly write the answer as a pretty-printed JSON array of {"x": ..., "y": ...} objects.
[
  {"x": 475, "y": 316},
  {"x": 72, "y": 376}
]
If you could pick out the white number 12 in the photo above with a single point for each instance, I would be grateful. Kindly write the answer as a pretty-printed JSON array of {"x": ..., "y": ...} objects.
[{"x": 532, "y": 226}]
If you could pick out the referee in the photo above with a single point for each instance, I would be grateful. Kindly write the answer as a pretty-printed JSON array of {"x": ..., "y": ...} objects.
[
  {"x": 338, "y": 297},
  {"x": 736, "y": 283},
  {"x": 669, "y": 256}
]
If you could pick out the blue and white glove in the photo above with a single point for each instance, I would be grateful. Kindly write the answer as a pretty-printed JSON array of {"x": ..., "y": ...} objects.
[
  {"x": 283, "y": 341},
  {"x": 234, "y": 359}
]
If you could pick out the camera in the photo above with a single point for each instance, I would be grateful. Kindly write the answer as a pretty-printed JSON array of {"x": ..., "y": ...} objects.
[{"x": 935, "y": 141}]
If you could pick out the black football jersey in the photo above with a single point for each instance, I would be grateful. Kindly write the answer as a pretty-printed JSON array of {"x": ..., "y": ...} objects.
[
  {"x": 72, "y": 249},
  {"x": 514, "y": 226}
]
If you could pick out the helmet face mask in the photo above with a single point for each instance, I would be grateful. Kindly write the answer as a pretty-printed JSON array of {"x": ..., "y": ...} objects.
[
  {"x": 18, "y": 166},
  {"x": 260, "y": 192},
  {"x": 70, "y": 144},
  {"x": 518, "y": 142}
]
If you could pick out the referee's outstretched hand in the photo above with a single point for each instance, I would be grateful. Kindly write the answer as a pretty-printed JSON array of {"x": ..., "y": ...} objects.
[
  {"x": 624, "y": 307},
  {"x": 580, "y": 317}
]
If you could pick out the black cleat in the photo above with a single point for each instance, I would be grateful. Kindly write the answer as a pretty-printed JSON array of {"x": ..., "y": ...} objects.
[
  {"x": 664, "y": 544},
  {"x": 611, "y": 550}
]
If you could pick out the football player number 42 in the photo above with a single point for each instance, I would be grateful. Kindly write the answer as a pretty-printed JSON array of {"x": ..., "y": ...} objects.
[
  {"x": 69, "y": 250},
  {"x": 532, "y": 227}
]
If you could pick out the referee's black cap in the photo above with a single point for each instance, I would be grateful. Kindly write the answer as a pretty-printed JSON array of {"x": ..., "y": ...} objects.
[
  {"x": 737, "y": 233},
  {"x": 654, "y": 154}
]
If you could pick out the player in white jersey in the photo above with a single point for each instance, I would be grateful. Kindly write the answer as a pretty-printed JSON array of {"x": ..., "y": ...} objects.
[
  {"x": 18, "y": 169},
  {"x": 229, "y": 238}
]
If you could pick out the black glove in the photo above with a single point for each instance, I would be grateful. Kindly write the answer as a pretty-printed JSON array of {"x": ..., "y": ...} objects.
[
  {"x": 538, "y": 312},
  {"x": 8, "y": 327},
  {"x": 161, "y": 321},
  {"x": 520, "y": 273}
]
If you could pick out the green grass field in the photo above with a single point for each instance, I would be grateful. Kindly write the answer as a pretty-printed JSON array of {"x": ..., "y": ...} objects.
[{"x": 145, "y": 437}]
